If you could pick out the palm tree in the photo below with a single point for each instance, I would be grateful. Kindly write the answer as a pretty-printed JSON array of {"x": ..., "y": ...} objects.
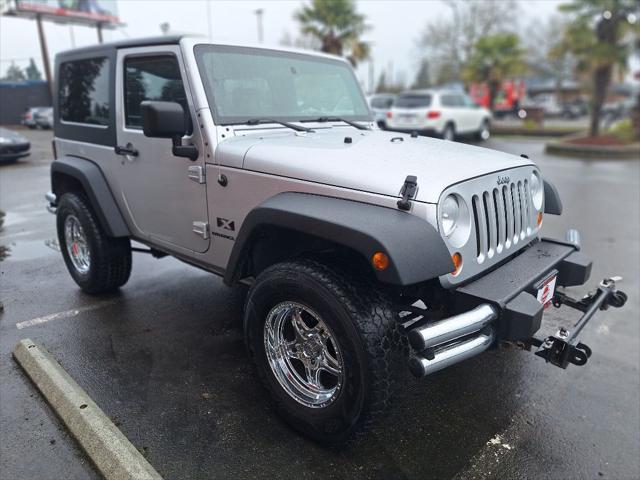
[
  {"x": 337, "y": 25},
  {"x": 598, "y": 39},
  {"x": 494, "y": 59}
]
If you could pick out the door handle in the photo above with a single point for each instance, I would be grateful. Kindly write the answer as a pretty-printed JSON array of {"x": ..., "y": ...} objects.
[{"x": 126, "y": 150}]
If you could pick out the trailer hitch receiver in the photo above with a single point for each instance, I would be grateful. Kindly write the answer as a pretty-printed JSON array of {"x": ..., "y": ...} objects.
[{"x": 563, "y": 348}]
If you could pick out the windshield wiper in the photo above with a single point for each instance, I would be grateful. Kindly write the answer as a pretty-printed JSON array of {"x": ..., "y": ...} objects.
[
  {"x": 297, "y": 128},
  {"x": 338, "y": 119}
]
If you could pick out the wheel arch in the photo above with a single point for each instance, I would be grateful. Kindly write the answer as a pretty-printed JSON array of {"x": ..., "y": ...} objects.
[
  {"x": 319, "y": 224},
  {"x": 75, "y": 174}
]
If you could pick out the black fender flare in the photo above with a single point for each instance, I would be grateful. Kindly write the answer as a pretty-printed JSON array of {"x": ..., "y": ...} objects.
[
  {"x": 416, "y": 250},
  {"x": 95, "y": 186},
  {"x": 552, "y": 202}
]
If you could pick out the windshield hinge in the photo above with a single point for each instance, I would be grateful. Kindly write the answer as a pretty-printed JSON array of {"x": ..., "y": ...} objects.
[{"x": 408, "y": 191}]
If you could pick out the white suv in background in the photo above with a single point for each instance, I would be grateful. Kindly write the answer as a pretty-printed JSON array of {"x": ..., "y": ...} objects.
[{"x": 447, "y": 114}]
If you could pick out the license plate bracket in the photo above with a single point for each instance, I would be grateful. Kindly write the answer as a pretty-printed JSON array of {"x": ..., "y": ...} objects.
[{"x": 545, "y": 288}]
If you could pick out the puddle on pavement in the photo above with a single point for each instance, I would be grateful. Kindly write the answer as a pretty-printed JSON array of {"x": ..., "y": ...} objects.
[{"x": 29, "y": 250}]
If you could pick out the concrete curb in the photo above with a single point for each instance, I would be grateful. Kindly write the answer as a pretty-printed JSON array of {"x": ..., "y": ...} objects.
[
  {"x": 532, "y": 132},
  {"x": 111, "y": 452},
  {"x": 594, "y": 151}
]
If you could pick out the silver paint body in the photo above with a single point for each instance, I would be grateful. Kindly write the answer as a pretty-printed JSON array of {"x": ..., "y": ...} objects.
[{"x": 161, "y": 203}]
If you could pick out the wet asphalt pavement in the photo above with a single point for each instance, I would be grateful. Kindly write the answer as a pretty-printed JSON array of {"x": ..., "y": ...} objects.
[{"x": 164, "y": 359}]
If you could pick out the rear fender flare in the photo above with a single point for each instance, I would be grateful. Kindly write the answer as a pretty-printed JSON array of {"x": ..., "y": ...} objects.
[{"x": 95, "y": 186}]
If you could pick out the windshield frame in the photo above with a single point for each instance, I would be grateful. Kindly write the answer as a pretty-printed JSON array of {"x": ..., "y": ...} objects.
[{"x": 226, "y": 120}]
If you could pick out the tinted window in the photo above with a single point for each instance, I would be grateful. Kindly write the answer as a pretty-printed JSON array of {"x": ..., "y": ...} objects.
[
  {"x": 412, "y": 101},
  {"x": 84, "y": 91},
  {"x": 381, "y": 102},
  {"x": 151, "y": 78},
  {"x": 244, "y": 83},
  {"x": 451, "y": 101}
]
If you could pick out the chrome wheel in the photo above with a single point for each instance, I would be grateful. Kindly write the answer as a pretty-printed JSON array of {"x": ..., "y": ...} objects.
[
  {"x": 77, "y": 245},
  {"x": 303, "y": 354}
]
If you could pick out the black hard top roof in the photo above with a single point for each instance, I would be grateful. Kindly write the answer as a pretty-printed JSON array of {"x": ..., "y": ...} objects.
[{"x": 128, "y": 43}]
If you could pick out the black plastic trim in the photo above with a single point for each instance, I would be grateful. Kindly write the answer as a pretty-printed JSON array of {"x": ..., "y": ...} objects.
[
  {"x": 552, "y": 202},
  {"x": 415, "y": 248},
  {"x": 96, "y": 188}
]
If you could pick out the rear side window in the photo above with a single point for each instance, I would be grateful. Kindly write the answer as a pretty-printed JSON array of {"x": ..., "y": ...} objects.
[
  {"x": 412, "y": 101},
  {"x": 451, "y": 101},
  {"x": 381, "y": 102},
  {"x": 84, "y": 91},
  {"x": 151, "y": 78}
]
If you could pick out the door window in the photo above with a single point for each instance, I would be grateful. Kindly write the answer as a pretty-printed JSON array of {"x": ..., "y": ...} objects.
[{"x": 152, "y": 78}]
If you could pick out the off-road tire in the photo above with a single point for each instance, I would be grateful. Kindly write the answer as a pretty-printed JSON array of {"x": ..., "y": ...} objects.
[
  {"x": 110, "y": 258},
  {"x": 365, "y": 324}
]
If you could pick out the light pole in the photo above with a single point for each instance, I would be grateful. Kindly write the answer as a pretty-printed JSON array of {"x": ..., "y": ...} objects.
[{"x": 259, "y": 13}]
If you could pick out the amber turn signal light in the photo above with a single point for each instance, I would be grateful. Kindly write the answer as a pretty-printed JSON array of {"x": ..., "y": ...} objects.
[
  {"x": 380, "y": 261},
  {"x": 457, "y": 262},
  {"x": 539, "y": 218}
]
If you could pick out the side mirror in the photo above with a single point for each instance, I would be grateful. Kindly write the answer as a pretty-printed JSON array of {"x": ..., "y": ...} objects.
[{"x": 167, "y": 120}]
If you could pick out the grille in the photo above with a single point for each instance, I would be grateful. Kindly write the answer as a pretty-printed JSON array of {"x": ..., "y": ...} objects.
[{"x": 502, "y": 217}]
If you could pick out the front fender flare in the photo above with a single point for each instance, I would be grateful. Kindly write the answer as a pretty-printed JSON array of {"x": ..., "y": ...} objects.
[
  {"x": 415, "y": 248},
  {"x": 552, "y": 202}
]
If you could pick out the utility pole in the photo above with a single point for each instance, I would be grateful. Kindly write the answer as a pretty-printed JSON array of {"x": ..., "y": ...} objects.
[
  {"x": 209, "y": 26},
  {"x": 259, "y": 13},
  {"x": 45, "y": 55},
  {"x": 99, "y": 29}
]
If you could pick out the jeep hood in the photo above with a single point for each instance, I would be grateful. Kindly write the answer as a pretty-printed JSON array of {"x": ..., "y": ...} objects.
[{"x": 372, "y": 161}]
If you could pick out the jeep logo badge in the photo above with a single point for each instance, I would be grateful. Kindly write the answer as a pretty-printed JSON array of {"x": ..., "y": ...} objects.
[{"x": 503, "y": 180}]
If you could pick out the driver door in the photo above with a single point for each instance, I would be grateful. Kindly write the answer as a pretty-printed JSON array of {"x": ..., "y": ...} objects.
[{"x": 163, "y": 195}]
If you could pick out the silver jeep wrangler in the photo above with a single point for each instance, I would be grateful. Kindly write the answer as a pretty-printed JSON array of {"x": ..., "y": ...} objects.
[{"x": 366, "y": 251}]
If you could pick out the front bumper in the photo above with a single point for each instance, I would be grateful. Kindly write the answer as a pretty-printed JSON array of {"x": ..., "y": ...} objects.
[
  {"x": 13, "y": 151},
  {"x": 503, "y": 306}
]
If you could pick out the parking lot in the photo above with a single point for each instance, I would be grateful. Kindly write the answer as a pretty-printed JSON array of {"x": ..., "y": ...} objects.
[{"x": 164, "y": 358}]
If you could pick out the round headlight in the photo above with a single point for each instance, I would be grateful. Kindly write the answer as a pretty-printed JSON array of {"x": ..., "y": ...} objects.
[
  {"x": 449, "y": 216},
  {"x": 537, "y": 190}
]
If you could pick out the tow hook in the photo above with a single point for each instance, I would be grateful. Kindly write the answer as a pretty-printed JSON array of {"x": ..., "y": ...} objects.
[{"x": 563, "y": 348}]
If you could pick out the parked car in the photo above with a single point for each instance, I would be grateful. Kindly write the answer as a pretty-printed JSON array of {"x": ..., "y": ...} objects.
[
  {"x": 29, "y": 116},
  {"x": 44, "y": 118},
  {"x": 446, "y": 114},
  {"x": 13, "y": 146},
  {"x": 380, "y": 106},
  {"x": 356, "y": 243}
]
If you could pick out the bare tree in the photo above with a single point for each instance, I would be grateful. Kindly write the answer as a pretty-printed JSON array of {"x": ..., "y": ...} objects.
[
  {"x": 448, "y": 44},
  {"x": 548, "y": 52}
]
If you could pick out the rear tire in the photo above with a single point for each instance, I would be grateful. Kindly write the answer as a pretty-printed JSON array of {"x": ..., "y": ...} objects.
[
  {"x": 361, "y": 338},
  {"x": 449, "y": 132},
  {"x": 97, "y": 263}
]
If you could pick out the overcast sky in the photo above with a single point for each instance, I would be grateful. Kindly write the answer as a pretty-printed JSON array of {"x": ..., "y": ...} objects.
[{"x": 395, "y": 26}]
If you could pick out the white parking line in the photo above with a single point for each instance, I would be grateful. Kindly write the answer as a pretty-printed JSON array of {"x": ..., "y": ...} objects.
[{"x": 65, "y": 314}]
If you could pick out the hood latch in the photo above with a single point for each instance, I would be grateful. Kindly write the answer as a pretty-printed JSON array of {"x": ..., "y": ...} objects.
[{"x": 408, "y": 191}]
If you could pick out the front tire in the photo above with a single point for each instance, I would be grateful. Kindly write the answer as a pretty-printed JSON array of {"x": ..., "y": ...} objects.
[
  {"x": 485, "y": 131},
  {"x": 97, "y": 263},
  {"x": 327, "y": 347}
]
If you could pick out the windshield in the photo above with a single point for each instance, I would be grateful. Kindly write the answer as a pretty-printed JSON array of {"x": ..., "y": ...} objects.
[
  {"x": 247, "y": 83},
  {"x": 412, "y": 101}
]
